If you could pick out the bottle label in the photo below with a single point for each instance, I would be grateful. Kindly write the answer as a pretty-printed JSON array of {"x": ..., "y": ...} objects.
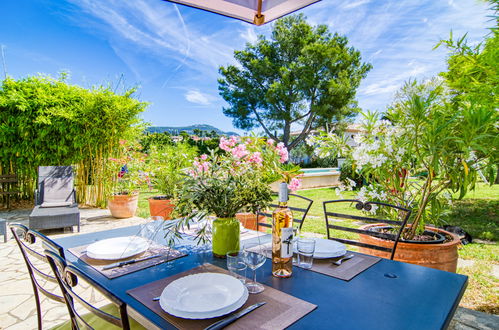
[{"x": 287, "y": 242}]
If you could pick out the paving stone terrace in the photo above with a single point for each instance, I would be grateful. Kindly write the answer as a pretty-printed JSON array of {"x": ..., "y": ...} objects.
[{"x": 17, "y": 304}]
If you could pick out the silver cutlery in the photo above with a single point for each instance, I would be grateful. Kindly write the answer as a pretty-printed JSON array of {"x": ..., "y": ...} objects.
[
  {"x": 156, "y": 298},
  {"x": 231, "y": 318},
  {"x": 344, "y": 258},
  {"x": 129, "y": 262}
]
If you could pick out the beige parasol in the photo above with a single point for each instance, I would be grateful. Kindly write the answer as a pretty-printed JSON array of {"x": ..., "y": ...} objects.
[{"x": 257, "y": 12}]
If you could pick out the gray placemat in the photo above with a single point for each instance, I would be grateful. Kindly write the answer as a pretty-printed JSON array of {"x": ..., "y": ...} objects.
[
  {"x": 280, "y": 311},
  {"x": 166, "y": 252}
]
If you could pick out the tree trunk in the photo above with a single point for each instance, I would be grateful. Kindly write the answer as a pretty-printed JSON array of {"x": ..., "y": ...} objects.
[{"x": 285, "y": 137}]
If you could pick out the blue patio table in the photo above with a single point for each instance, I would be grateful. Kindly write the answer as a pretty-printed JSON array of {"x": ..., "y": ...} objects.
[{"x": 388, "y": 295}]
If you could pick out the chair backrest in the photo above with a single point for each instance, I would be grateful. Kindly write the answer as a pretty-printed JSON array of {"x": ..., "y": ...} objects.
[
  {"x": 35, "y": 260},
  {"x": 299, "y": 205},
  {"x": 70, "y": 277},
  {"x": 55, "y": 185},
  {"x": 337, "y": 212}
]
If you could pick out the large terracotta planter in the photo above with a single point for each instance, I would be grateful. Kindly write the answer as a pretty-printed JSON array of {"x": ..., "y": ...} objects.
[
  {"x": 249, "y": 221},
  {"x": 441, "y": 256},
  {"x": 225, "y": 236},
  {"x": 123, "y": 206},
  {"x": 160, "y": 207}
]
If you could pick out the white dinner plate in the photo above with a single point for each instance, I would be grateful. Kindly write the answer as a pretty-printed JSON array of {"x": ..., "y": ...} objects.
[
  {"x": 203, "y": 295},
  {"x": 117, "y": 248},
  {"x": 326, "y": 248}
]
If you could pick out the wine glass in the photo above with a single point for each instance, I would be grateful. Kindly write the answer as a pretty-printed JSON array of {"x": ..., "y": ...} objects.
[{"x": 254, "y": 259}]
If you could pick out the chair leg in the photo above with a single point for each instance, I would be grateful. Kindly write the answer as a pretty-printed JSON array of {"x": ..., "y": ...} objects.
[
  {"x": 38, "y": 310},
  {"x": 4, "y": 229}
]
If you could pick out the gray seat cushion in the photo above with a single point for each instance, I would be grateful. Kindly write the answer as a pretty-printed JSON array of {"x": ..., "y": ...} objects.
[{"x": 53, "y": 211}]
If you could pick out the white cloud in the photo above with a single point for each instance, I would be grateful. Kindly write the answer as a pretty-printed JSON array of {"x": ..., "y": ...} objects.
[
  {"x": 195, "y": 96},
  {"x": 249, "y": 35},
  {"x": 356, "y": 4},
  {"x": 158, "y": 30},
  {"x": 397, "y": 38},
  {"x": 381, "y": 88}
]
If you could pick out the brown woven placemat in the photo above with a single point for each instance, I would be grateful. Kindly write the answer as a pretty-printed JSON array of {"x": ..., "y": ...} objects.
[
  {"x": 166, "y": 252},
  {"x": 280, "y": 311},
  {"x": 346, "y": 271}
]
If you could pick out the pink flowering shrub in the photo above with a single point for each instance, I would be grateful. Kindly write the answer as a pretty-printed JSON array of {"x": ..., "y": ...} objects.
[{"x": 223, "y": 184}]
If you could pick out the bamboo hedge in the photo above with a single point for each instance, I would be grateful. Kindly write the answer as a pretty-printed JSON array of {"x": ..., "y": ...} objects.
[{"x": 46, "y": 121}]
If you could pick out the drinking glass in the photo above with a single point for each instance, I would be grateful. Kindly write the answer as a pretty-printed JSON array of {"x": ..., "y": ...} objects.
[
  {"x": 306, "y": 249},
  {"x": 148, "y": 231},
  {"x": 236, "y": 265},
  {"x": 254, "y": 259}
]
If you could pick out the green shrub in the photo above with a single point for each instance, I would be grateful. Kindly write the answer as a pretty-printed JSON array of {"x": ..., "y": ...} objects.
[
  {"x": 347, "y": 171},
  {"x": 46, "y": 121}
]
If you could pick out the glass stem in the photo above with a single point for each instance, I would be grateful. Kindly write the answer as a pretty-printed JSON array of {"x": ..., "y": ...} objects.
[{"x": 254, "y": 276}]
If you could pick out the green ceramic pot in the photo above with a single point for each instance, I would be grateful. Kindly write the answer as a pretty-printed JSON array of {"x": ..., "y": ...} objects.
[{"x": 225, "y": 236}]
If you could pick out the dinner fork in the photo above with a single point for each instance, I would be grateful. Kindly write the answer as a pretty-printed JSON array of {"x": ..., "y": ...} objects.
[{"x": 347, "y": 257}]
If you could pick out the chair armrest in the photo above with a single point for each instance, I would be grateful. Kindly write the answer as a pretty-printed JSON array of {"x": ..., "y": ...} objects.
[
  {"x": 75, "y": 201},
  {"x": 37, "y": 197}
]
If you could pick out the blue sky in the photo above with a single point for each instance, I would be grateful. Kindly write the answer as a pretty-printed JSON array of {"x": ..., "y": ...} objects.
[{"x": 173, "y": 52}]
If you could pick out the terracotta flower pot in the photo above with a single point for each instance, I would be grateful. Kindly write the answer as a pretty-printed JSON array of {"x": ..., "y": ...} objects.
[
  {"x": 159, "y": 206},
  {"x": 248, "y": 220},
  {"x": 441, "y": 256},
  {"x": 123, "y": 206}
]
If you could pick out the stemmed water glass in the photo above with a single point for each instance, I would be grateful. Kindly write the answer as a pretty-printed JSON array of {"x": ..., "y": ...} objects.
[{"x": 254, "y": 259}]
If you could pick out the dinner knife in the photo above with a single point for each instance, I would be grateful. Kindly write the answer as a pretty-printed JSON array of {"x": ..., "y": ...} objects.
[
  {"x": 228, "y": 320},
  {"x": 129, "y": 262}
]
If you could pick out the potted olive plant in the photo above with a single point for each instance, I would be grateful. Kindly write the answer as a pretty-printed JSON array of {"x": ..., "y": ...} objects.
[
  {"x": 424, "y": 151},
  {"x": 167, "y": 163}
]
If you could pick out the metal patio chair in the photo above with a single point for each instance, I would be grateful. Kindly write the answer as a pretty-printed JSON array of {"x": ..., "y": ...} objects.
[
  {"x": 55, "y": 199},
  {"x": 334, "y": 218},
  {"x": 36, "y": 262},
  {"x": 69, "y": 277},
  {"x": 299, "y": 213}
]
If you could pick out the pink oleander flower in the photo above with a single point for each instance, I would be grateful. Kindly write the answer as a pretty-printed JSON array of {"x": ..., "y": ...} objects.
[
  {"x": 256, "y": 158},
  {"x": 240, "y": 151},
  {"x": 224, "y": 144},
  {"x": 295, "y": 184},
  {"x": 270, "y": 142},
  {"x": 227, "y": 144},
  {"x": 122, "y": 142},
  {"x": 205, "y": 166},
  {"x": 283, "y": 152},
  {"x": 204, "y": 156}
]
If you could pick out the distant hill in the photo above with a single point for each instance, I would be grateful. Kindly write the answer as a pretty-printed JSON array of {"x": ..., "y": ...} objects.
[{"x": 188, "y": 129}]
